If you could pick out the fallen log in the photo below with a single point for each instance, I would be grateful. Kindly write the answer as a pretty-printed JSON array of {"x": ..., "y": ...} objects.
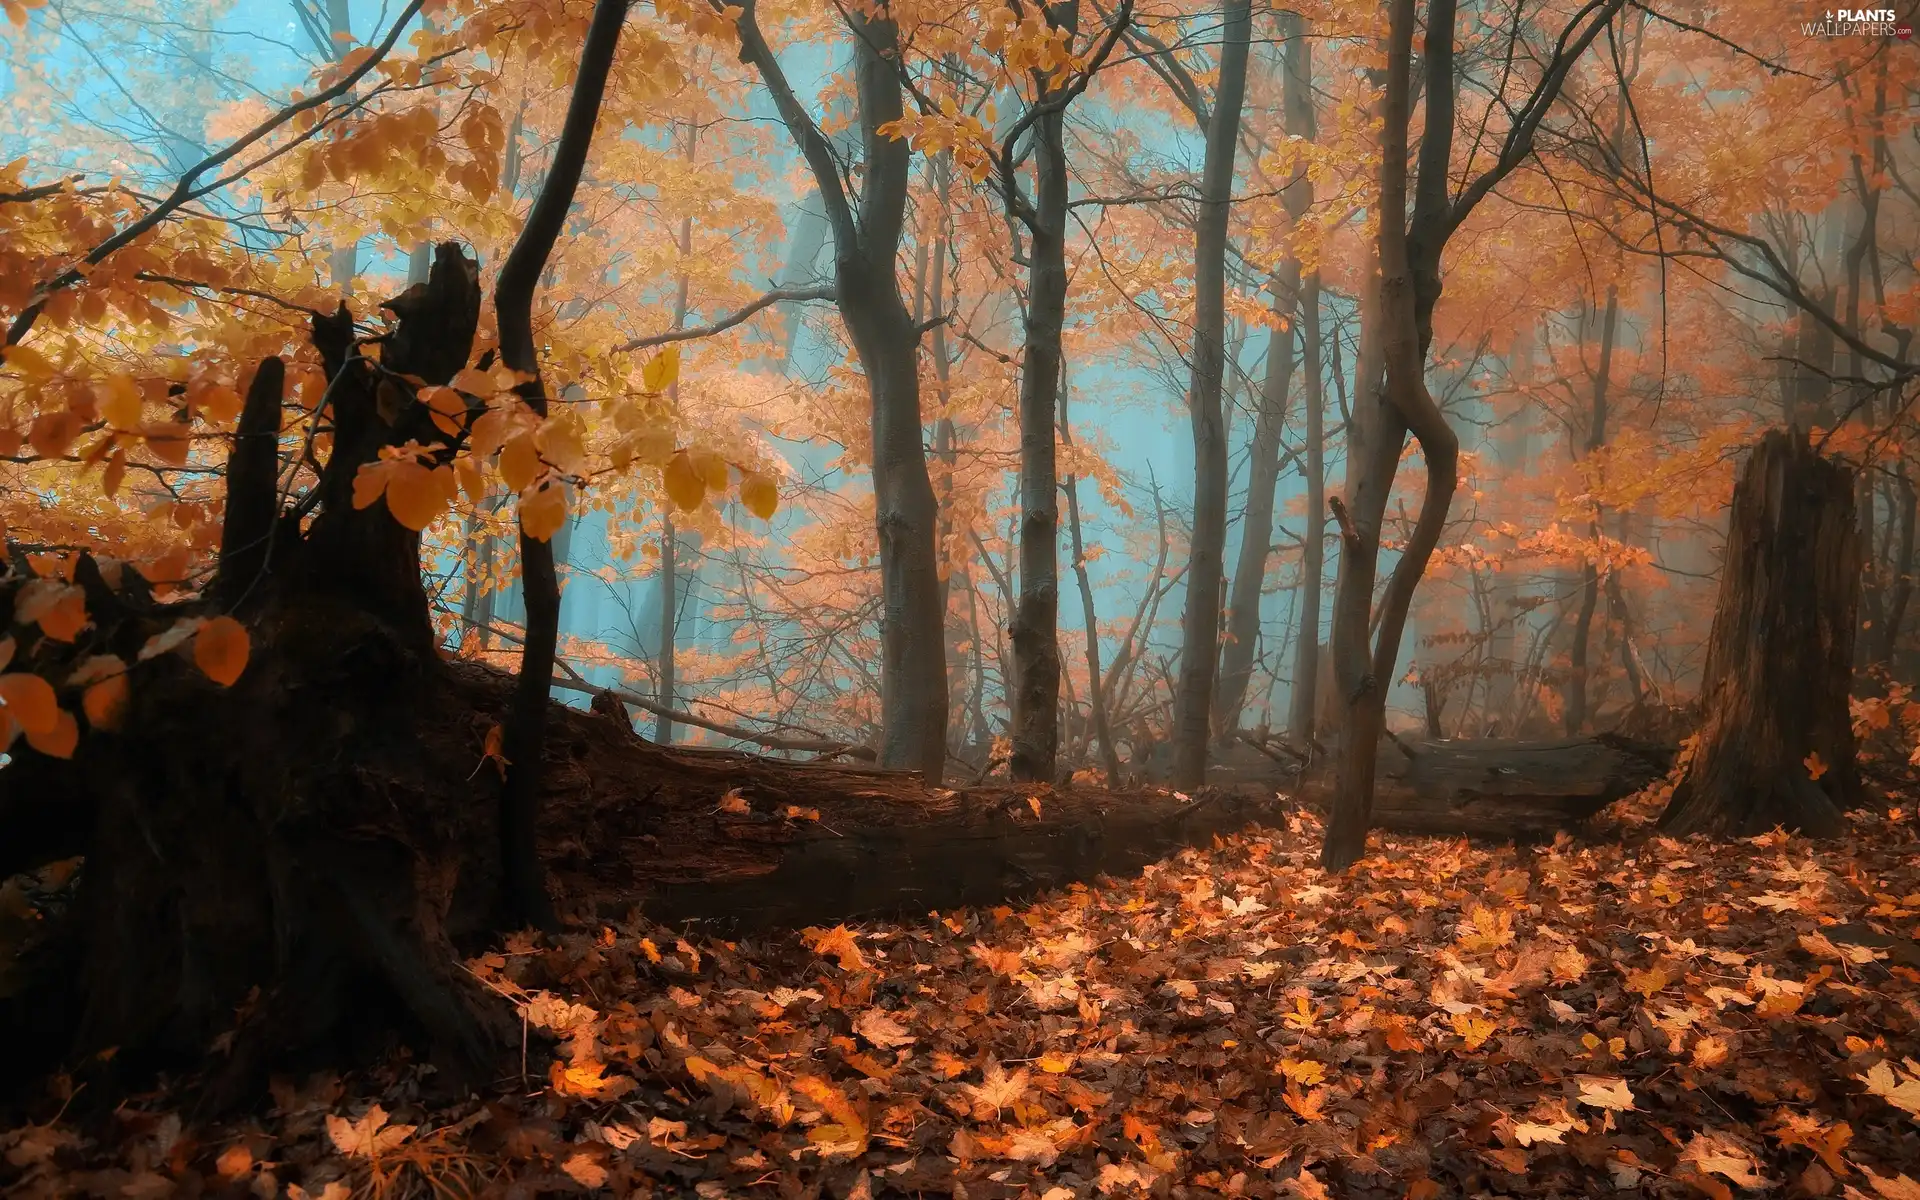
[{"x": 1482, "y": 788}]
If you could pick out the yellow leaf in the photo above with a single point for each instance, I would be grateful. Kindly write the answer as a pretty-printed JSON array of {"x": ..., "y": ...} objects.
[
  {"x": 472, "y": 482},
  {"x": 685, "y": 487},
  {"x": 119, "y": 401},
  {"x": 447, "y": 408},
  {"x": 543, "y": 512},
  {"x": 1601, "y": 1091},
  {"x": 105, "y": 702},
  {"x": 519, "y": 462},
  {"x": 220, "y": 650},
  {"x": 713, "y": 469},
  {"x": 1815, "y": 766},
  {"x": 27, "y": 363},
  {"x": 368, "y": 1137},
  {"x": 662, "y": 370},
  {"x": 759, "y": 495},
  {"x": 59, "y": 741},
  {"x": 30, "y": 701},
  {"x": 416, "y": 495}
]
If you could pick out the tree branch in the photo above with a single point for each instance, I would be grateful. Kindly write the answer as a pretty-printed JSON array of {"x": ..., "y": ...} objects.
[{"x": 739, "y": 316}]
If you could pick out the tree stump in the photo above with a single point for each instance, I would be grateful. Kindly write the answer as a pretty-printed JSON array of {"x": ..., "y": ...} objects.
[
  {"x": 277, "y": 865},
  {"x": 1776, "y": 744}
]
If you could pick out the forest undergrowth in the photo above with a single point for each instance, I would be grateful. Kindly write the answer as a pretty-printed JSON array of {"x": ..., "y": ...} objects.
[{"x": 1631, "y": 1016}]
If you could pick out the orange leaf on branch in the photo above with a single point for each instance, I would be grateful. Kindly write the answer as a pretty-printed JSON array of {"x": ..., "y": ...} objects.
[{"x": 220, "y": 650}]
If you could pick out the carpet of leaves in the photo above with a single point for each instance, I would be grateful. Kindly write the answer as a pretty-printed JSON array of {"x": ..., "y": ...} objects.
[{"x": 1640, "y": 1017}]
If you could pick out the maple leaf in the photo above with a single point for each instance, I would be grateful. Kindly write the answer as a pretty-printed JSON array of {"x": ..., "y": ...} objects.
[
  {"x": 1899, "y": 1187},
  {"x": 1816, "y": 767},
  {"x": 733, "y": 802},
  {"x": 1529, "y": 1133},
  {"x": 368, "y": 1137},
  {"x": 880, "y": 1029},
  {"x": 1898, "y": 1086},
  {"x": 997, "y": 1090},
  {"x": 1305, "y": 1073},
  {"x": 839, "y": 943},
  {"x": 1128, "y": 1176},
  {"x": 1604, "y": 1091},
  {"x": 1307, "y": 1105},
  {"x": 1476, "y": 1030},
  {"x": 1711, "y": 1152},
  {"x": 1826, "y": 1140}
]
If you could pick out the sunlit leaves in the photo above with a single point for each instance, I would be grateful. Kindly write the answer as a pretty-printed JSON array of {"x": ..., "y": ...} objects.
[
  {"x": 543, "y": 511},
  {"x": 662, "y": 370},
  {"x": 416, "y": 492},
  {"x": 685, "y": 485}
]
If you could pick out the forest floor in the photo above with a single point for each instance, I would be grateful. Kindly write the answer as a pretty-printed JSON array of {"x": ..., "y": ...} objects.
[{"x": 1613, "y": 1014}]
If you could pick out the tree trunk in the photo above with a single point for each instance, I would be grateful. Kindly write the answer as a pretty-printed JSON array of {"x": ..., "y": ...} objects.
[
  {"x": 290, "y": 833},
  {"x": 525, "y": 734},
  {"x": 1306, "y": 662},
  {"x": 1096, "y": 691},
  {"x": 1776, "y": 744},
  {"x": 1034, "y": 630},
  {"x": 1263, "y": 461},
  {"x": 669, "y": 629},
  {"x": 1575, "y": 712},
  {"x": 913, "y": 688},
  {"x": 1256, "y": 522},
  {"x": 1200, "y": 627},
  {"x": 1408, "y": 288}
]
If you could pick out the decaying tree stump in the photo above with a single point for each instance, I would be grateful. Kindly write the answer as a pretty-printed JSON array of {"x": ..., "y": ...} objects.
[
  {"x": 280, "y": 860},
  {"x": 1776, "y": 746}
]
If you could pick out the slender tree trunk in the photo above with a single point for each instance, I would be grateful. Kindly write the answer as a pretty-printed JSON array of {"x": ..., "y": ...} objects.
[
  {"x": 664, "y": 662},
  {"x": 1237, "y": 650},
  {"x": 1575, "y": 712},
  {"x": 1903, "y": 572},
  {"x": 1776, "y": 746},
  {"x": 1200, "y": 628},
  {"x": 1036, "y": 618},
  {"x": 669, "y": 629},
  {"x": 526, "y": 726},
  {"x": 1306, "y": 662},
  {"x": 1096, "y": 693},
  {"x": 1263, "y": 464}
]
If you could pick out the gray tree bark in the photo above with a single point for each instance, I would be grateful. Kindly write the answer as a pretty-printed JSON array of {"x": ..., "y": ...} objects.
[{"x": 1200, "y": 626}]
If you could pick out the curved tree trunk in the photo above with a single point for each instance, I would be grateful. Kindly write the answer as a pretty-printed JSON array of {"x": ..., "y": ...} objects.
[
  {"x": 866, "y": 239},
  {"x": 1200, "y": 626},
  {"x": 1776, "y": 746},
  {"x": 525, "y": 896}
]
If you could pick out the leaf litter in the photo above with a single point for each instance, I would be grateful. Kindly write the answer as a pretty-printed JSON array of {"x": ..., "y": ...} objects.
[{"x": 1644, "y": 1017}]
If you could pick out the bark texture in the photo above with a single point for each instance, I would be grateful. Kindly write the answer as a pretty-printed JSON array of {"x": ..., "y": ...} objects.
[
  {"x": 866, "y": 240},
  {"x": 1200, "y": 625},
  {"x": 1780, "y": 657},
  {"x": 1263, "y": 458}
]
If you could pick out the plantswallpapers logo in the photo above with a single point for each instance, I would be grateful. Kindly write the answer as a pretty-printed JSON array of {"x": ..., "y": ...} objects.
[{"x": 1859, "y": 22}]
